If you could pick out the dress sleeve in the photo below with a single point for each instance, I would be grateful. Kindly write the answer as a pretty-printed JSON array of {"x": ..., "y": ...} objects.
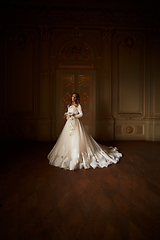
[{"x": 80, "y": 113}]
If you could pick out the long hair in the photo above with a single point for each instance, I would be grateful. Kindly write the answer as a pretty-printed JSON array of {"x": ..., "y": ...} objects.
[{"x": 77, "y": 101}]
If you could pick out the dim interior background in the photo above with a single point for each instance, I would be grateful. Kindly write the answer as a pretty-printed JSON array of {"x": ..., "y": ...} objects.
[{"x": 107, "y": 51}]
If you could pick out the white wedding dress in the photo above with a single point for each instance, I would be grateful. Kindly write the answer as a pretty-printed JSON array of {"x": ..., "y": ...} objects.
[{"x": 76, "y": 149}]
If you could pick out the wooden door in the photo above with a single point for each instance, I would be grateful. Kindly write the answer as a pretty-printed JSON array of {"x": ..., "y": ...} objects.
[{"x": 83, "y": 82}]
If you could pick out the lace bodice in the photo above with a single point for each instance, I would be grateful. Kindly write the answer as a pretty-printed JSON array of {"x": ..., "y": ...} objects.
[{"x": 75, "y": 110}]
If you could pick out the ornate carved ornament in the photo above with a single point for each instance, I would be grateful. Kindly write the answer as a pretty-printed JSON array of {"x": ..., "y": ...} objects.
[
  {"x": 154, "y": 33},
  {"x": 76, "y": 32},
  {"x": 76, "y": 50},
  {"x": 21, "y": 39},
  {"x": 129, "y": 129},
  {"x": 22, "y": 129},
  {"x": 130, "y": 41},
  {"x": 107, "y": 33},
  {"x": 84, "y": 98},
  {"x": 66, "y": 98},
  {"x": 45, "y": 32}
]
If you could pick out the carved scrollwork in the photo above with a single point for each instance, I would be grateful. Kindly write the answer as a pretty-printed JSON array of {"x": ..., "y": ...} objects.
[
  {"x": 130, "y": 129},
  {"x": 107, "y": 33},
  {"x": 66, "y": 98},
  {"x": 76, "y": 32},
  {"x": 84, "y": 98},
  {"x": 22, "y": 129},
  {"x": 21, "y": 39},
  {"x": 45, "y": 32},
  {"x": 129, "y": 42},
  {"x": 154, "y": 33},
  {"x": 76, "y": 50}
]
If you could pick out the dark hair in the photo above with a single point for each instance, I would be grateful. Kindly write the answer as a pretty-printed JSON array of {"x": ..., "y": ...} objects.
[{"x": 77, "y": 101}]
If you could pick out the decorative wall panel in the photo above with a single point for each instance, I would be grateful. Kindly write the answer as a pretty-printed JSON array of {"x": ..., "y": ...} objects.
[
  {"x": 130, "y": 74},
  {"x": 130, "y": 130},
  {"x": 154, "y": 80},
  {"x": 20, "y": 84}
]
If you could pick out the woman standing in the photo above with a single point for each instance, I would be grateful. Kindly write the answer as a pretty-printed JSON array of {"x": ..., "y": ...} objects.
[{"x": 75, "y": 148}]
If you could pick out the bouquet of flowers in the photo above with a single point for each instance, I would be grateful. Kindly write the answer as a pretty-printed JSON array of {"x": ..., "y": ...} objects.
[{"x": 69, "y": 114}]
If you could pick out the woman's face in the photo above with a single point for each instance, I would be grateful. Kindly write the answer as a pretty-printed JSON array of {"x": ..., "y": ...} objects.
[{"x": 74, "y": 97}]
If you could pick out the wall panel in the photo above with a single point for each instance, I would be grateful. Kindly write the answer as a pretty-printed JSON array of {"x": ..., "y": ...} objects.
[
  {"x": 20, "y": 74},
  {"x": 129, "y": 87},
  {"x": 21, "y": 84},
  {"x": 154, "y": 79},
  {"x": 130, "y": 74}
]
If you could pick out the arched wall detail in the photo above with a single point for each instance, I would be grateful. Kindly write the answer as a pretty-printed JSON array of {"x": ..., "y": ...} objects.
[{"x": 77, "y": 35}]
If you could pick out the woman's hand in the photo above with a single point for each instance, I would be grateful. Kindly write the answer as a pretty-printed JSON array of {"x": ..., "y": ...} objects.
[{"x": 69, "y": 115}]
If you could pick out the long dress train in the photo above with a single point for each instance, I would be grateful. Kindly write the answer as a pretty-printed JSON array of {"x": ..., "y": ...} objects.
[{"x": 76, "y": 149}]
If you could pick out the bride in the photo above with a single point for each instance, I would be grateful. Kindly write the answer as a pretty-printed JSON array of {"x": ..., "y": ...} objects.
[{"x": 75, "y": 148}]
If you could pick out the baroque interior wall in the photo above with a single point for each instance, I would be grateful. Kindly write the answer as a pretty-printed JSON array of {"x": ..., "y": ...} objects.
[{"x": 112, "y": 55}]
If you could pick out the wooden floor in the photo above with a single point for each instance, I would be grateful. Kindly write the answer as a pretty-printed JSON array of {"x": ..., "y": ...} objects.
[{"x": 41, "y": 202}]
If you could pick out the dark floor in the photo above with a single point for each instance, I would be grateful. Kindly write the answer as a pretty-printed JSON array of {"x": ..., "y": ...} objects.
[{"x": 39, "y": 201}]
